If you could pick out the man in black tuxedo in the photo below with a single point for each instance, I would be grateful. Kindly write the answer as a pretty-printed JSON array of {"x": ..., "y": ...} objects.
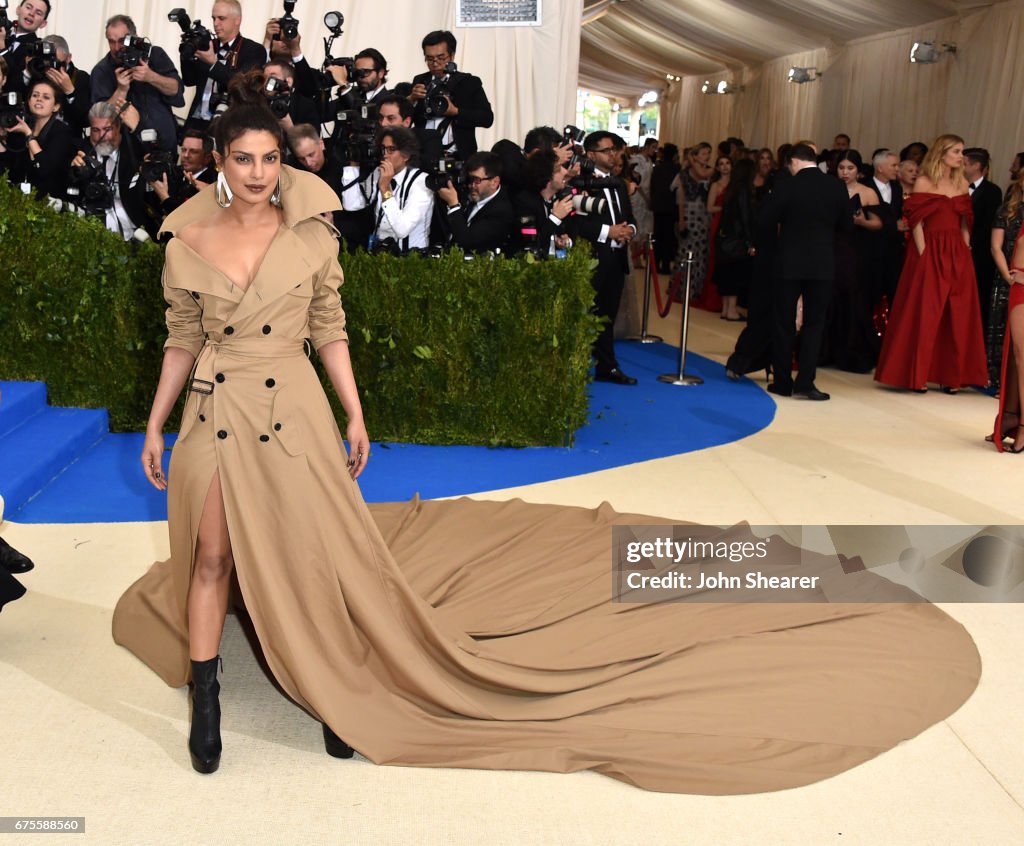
[
  {"x": 610, "y": 233},
  {"x": 488, "y": 221},
  {"x": 29, "y": 18},
  {"x": 211, "y": 70},
  {"x": 986, "y": 199},
  {"x": 544, "y": 174},
  {"x": 806, "y": 211},
  {"x": 468, "y": 106},
  {"x": 888, "y": 261}
]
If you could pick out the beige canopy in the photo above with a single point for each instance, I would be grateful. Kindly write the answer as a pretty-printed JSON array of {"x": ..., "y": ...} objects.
[{"x": 868, "y": 89}]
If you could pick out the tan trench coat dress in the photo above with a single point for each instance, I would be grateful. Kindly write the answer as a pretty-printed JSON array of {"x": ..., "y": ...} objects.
[{"x": 481, "y": 634}]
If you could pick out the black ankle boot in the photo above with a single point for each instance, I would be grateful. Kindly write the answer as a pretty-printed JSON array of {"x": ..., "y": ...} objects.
[
  {"x": 204, "y": 737},
  {"x": 335, "y": 746}
]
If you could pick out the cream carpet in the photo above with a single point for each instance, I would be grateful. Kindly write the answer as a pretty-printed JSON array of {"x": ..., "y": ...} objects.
[{"x": 91, "y": 732}]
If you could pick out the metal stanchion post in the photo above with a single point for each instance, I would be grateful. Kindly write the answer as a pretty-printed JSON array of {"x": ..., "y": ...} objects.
[
  {"x": 644, "y": 337},
  {"x": 681, "y": 378}
]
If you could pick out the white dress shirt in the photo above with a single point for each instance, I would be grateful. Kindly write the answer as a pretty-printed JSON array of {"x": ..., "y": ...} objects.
[{"x": 884, "y": 190}]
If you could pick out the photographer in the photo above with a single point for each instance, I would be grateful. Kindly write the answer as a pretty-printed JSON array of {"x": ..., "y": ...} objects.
[
  {"x": 487, "y": 222},
  {"x": 195, "y": 169},
  {"x": 30, "y": 18},
  {"x": 40, "y": 145},
  {"x": 300, "y": 109},
  {"x": 151, "y": 85},
  {"x": 370, "y": 71},
  {"x": 211, "y": 70},
  {"x": 449, "y": 101},
  {"x": 311, "y": 154},
  {"x": 393, "y": 110},
  {"x": 72, "y": 81},
  {"x": 106, "y": 174},
  {"x": 398, "y": 194},
  {"x": 540, "y": 207},
  {"x": 610, "y": 232},
  {"x": 279, "y": 47}
]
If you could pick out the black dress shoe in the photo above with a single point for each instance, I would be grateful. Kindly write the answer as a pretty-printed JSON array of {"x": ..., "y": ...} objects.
[
  {"x": 811, "y": 394},
  {"x": 615, "y": 376},
  {"x": 13, "y": 561},
  {"x": 781, "y": 390}
]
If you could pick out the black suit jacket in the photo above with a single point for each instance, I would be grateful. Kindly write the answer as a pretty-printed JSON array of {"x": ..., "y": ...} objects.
[
  {"x": 589, "y": 227},
  {"x": 246, "y": 54},
  {"x": 490, "y": 229},
  {"x": 48, "y": 173},
  {"x": 986, "y": 200},
  {"x": 76, "y": 113},
  {"x": 807, "y": 210},
  {"x": 530, "y": 204},
  {"x": 467, "y": 93}
]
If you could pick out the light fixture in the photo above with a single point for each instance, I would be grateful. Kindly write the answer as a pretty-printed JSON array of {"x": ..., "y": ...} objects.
[
  {"x": 926, "y": 53},
  {"x": 616, "y": 107},
  {"x": 802, "y": 75},
  {"x": 706, "y": 87},
  {"x": 728, "y": 88},
  {"x": 648, "y": 97}
]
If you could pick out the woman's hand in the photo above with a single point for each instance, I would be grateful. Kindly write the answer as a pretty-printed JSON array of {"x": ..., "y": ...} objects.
[
  {"x": 358, "y": 446},
  {"x": 21, "y": 127},
  {"x": 1017, "y": 277},
  {"x": 152, "y": 460}
]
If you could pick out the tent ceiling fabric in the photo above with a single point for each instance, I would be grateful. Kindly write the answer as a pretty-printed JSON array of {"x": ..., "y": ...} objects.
[{"x": 635, "y": 43}]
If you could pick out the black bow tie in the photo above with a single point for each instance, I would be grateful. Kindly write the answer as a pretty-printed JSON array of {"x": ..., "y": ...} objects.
[{"x": 971, "y": 187}]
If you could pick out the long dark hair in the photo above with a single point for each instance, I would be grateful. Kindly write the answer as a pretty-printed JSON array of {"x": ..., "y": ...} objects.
[
  {"x": 248, "y": 111},
  {"x": 741, "y": 181}
]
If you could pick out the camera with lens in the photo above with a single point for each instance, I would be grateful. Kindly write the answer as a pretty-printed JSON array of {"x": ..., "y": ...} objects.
[
  {"x": 279, "y": 96},
  {"x": 42, "y": 56},
  {"x": 6, "y": 24},
  {"x": 582, "y": 204},
  {"x": 12, "y": 109},
  {"x": 288, "y": 22},
  {"x": 386, "y": 246},
  {"x": 158, "y": 163},
  {"x": 573, "y": 136},
  {"x": 134, "y": 52},
  {"x": 355, "y": 136},
  {"x": 435, "y": 103},
  {"x": 195, "y": 38},
  {"x": 90, "y": 189},
  {"x": 445, "y": 170}
]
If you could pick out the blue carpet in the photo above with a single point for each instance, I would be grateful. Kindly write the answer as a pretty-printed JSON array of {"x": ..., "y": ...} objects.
[{"x": 627, "y": 425}]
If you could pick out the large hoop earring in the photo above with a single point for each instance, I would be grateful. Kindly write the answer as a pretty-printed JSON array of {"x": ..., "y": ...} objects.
[
  {"x": 275, "y": 198},
  {"x": 223, "y": 190}
]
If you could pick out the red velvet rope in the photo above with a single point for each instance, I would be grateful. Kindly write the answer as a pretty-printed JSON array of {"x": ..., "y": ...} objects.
[{"x": 673, "y": 288}]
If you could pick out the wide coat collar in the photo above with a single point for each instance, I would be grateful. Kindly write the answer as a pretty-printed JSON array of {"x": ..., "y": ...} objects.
[{"x": 289, "y": 260}]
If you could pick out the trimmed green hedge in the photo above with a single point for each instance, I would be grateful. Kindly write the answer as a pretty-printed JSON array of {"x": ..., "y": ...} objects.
[{"x": 445, "y": 351}]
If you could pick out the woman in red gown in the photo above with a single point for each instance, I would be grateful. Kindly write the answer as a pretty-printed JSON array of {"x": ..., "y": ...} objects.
[{"x": 934, "y": 332}]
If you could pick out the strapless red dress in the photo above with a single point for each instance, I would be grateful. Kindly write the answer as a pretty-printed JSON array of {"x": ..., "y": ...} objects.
[{"x": 934, "y": 332}]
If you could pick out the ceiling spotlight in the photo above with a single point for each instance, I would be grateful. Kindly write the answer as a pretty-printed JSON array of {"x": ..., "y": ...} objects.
[
  {"x": 926, "y": 53},
  {"x": 706, "y": 87},
  {"x": 728, "y": 88},
  {"x": 648, "y": 97},
  {"x": 802, "y": 75},
  {"x": 616, "y": 107}
]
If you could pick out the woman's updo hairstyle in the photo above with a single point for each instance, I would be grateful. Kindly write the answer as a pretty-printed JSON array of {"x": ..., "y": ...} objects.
[{"x": 248, "y": 111}]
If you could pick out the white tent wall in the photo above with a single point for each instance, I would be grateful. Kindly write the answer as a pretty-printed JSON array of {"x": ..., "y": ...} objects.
[
  {"x": 871, "y": 91},
  {"x": 529, "y": 73}
]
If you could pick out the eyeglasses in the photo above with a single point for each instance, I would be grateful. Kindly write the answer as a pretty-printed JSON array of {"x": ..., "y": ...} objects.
[
  {"x": 387, "y": 148},
  {"x": 437, "y": 60},
  {"x": 604, "y": 150},
  {"x": 476, "y": 180}
]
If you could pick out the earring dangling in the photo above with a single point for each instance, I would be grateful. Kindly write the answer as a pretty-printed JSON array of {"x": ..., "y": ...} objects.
[
  {"x": 223, "y": 190},
  {"x": 275, "y": 198}
]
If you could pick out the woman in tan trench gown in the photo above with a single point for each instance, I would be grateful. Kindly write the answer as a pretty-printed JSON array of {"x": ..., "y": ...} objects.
[{"x": 481, "y": 634}]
